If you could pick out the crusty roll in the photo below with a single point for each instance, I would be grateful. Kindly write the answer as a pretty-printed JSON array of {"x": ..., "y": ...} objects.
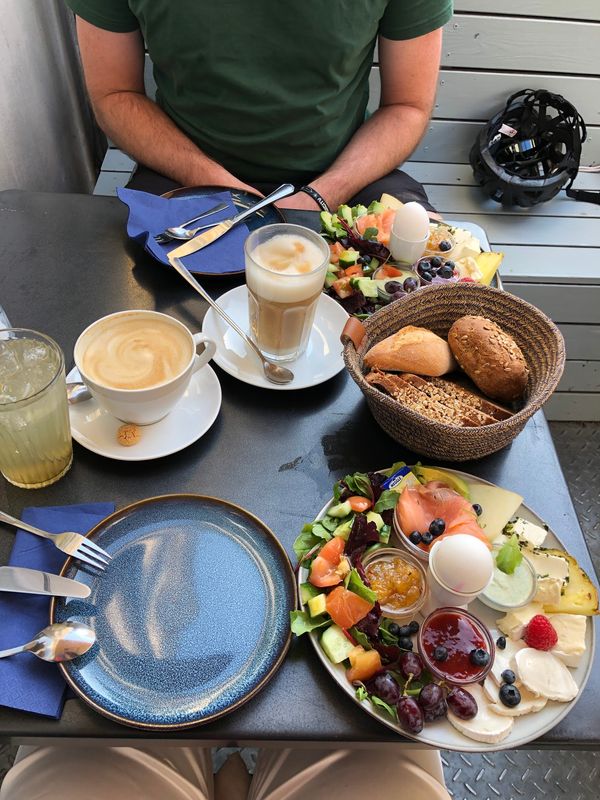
[
  {"x": 490, "y": 357},
  {"x": 414, "y": 350}
]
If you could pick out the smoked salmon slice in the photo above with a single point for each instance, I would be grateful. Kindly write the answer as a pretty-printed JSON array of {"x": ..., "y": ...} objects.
[
  {"x": 383, "y": 222},
  {"x": 419, "y": 505}
]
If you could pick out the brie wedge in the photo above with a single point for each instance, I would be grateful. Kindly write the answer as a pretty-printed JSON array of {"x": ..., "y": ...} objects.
[
  {"x": 513, "y": 624},
  {"x": 486, "y": 725},
  {"x": 529, "y": 704},
  {"x": 544, "y": 674},
  {"x": 571, "y": 637}
]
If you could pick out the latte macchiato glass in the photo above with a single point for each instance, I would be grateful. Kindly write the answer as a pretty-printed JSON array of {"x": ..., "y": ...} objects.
[
  {"x": 35, "y": 436},
  {"x": 138, "y": 364},
  {"x": 285, "y": 271}
]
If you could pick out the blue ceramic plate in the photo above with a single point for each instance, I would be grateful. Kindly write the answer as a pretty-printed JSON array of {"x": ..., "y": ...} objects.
[{"x": 191, "y": 616}]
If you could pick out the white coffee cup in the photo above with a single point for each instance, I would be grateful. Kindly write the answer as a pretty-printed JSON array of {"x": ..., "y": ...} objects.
[{"x": 114, "y": 337}]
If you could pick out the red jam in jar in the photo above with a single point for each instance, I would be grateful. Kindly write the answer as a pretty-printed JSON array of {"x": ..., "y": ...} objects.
[{"x": 459, "y": 634}]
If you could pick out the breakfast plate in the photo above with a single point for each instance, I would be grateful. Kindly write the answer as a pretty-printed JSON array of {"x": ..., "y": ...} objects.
[
  {"x": 321, "y": 360},
  {"x": 440, "y": 733},
  {"x": 96, "y": 429},
  {"x": 191, "y": 615}
]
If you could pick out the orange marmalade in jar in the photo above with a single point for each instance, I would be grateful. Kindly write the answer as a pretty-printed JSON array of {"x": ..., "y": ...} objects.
[{"x": 398, "y": 580}]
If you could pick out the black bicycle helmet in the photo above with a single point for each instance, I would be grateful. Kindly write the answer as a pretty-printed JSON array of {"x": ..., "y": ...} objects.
[{"x": 528, "y": 151}]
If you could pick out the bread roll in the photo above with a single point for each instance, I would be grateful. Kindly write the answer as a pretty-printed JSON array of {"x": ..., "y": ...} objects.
[
  {"x": 412, "y": 350},
  {"x": 490, "y": 357}
]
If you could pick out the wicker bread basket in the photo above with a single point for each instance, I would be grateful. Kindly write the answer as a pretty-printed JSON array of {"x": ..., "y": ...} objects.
[{"x": 436, "y": 308}]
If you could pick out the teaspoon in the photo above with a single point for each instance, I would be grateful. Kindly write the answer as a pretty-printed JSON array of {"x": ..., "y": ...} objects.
[
  {"x": 61, "y": 641},
  {"x": 273, "y": 372}
]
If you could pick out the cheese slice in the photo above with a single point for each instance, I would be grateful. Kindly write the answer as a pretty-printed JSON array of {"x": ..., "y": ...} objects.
[
  {"x": 571, "y": 637},
  {"x": 528, "y": 532},
  {"x": 547, "y": 565},
  {"x": 544, "y": 674},
  {"x": 513, "y": 624},
  {"x": 548, "y": 591},
  {"x": 486, "y": 726},
  {"x": 505, "y": 659},
  {"x": 530, "y": 703},
  {"x": 498, "y": 507}
]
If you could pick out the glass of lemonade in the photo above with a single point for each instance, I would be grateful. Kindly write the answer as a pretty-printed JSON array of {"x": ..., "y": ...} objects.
[
  {"x": 285, "y": 271},
  {"x": 35, "y": 436}
]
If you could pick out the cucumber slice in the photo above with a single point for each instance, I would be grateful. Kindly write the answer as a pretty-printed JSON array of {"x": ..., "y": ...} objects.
[{"x": 335, "y": 644}]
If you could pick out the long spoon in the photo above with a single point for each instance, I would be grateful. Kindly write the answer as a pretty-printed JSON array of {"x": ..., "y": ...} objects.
[
  {"x": 61, "y": 641},
  {"x": 273, "y": 372}
]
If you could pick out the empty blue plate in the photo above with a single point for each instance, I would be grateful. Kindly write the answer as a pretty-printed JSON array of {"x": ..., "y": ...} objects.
[{"x": 191, "y": 616}]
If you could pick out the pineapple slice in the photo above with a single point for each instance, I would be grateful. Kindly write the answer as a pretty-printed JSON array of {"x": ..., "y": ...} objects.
[
  {"x": 579, "y": 596},
  {"x": 488, "y": 264}
]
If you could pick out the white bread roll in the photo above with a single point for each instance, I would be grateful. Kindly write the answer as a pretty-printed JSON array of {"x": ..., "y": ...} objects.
[{"x": 415, "y": 350}]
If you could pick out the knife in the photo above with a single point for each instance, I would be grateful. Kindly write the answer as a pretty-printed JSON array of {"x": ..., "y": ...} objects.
[
  {"x": 33, "y": 581},
  {"x": 221, "y": 228}
]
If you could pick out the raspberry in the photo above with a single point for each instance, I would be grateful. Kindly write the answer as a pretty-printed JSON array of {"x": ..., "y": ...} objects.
[{"x": 540, "y": 634}]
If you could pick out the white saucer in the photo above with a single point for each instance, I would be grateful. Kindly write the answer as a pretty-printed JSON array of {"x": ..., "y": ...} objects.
[
  {"x": 321, "y": 361},
  {"x": 96, "y": 429}
]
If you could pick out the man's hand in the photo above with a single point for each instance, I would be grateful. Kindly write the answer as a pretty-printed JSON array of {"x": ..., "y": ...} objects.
[
  {"x": 113, "y": 65},
  {"x": 409, "y": 70}
]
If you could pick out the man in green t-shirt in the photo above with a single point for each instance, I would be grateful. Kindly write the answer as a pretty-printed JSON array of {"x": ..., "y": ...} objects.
[{"x": 251, "y": 94}]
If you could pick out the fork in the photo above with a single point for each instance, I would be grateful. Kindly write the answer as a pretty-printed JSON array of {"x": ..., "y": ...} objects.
[
  {"x": 164, "y": 237},
  {"x": 73, "y": 544}
]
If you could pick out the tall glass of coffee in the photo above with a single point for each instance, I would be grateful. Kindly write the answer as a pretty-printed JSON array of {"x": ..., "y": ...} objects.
[
  {"x": 35, "y": 436},
  {"x": 285, "y": 271}
]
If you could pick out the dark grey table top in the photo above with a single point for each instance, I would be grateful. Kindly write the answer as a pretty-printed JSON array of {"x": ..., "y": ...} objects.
[{"x": 65, "y": 261}]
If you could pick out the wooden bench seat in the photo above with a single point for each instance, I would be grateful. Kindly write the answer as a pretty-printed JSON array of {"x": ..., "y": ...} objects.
[{"x": 552, "y": 251}]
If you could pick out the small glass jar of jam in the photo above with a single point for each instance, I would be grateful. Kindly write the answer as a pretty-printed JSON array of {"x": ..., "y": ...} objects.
[
  {"x": 399, "y": 581},
  {"x": 447, "y": 642}
]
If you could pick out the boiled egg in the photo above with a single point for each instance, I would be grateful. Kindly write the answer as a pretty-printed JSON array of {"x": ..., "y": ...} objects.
[
  {"x": 462, "y": 563},
  {"x": 411, "y": 222}
]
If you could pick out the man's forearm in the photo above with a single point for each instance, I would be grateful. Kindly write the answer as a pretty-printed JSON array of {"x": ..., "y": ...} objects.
[
  {"x": 140, "y": 128},
  {"x": 381, "y": 144}
]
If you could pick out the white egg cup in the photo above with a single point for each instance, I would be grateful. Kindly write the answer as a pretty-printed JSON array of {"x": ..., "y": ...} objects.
[
  {"x": 405, "y": 251},
  {"x": 440, "y": 594}
]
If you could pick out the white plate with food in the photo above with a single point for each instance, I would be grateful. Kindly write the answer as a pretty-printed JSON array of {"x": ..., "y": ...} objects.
[{"x": 548, "y": 681}]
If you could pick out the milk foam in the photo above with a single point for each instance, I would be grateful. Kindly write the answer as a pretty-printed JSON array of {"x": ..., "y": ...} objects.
[
  {"x": 135, "y": 353},
  {"x": 290, "y": 269}
]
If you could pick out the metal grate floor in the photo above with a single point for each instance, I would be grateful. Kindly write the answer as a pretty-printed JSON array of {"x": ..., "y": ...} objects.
[{"x": 528, "y": 774}]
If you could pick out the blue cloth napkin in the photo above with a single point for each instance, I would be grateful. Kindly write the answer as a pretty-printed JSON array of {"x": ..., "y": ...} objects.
[
  {"x": 150, "y": 214},
  {"x": 26, "y": 682}
]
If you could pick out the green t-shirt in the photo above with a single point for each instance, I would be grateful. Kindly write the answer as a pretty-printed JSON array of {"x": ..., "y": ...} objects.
[{"x": 271, "y": 89}]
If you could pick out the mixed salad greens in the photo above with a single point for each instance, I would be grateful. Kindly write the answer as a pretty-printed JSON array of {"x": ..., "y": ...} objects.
[{"x": 338, "y": 599}]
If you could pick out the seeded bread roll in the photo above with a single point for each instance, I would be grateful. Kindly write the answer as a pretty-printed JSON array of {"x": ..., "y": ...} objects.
[
  {"x": 490, "y": 357},
  {"x": 412, "y": 350}
]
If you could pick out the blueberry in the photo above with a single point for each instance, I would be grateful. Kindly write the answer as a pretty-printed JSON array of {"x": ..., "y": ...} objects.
[
  {"x": 510, "y": 695},
  {"x": 415, "y": 537},
  {"x": 411, "y": 284},
  {"x": 450, "y": 264},
  {"x": 404, "y": 630},
  {"x": 436, "y": 262},
  {"x": 477, "y": 509},
  {"x": 392, "y": 286},
  {"x": 427, "y": 276},
  {"x": 501, "y": 642},
  {"x": 394, "y": 629},
  {"x": 427, "y": 538},
  {"x": 437, "y": 527},
  {"x": 446, "y": 272},
  {"x": 414, "y": 627},
  {"x": 405, "y": 643},
  {"x": 440, "y": 653},
  {"x": 508, "y": 676},
  {"x": 479, "y": 657},
  {"x": 445, "y": 245},
  {"x": 424, "y": 266}
]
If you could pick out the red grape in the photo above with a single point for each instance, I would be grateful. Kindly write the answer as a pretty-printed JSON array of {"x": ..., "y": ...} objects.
[
  {"x": 430, "y": 696},
  {"x": 385, "y": 687},
  {"x": 411, "y": 664},
  {"x": 461, "y": 703},
  {"x": 410, "y": 715}
]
